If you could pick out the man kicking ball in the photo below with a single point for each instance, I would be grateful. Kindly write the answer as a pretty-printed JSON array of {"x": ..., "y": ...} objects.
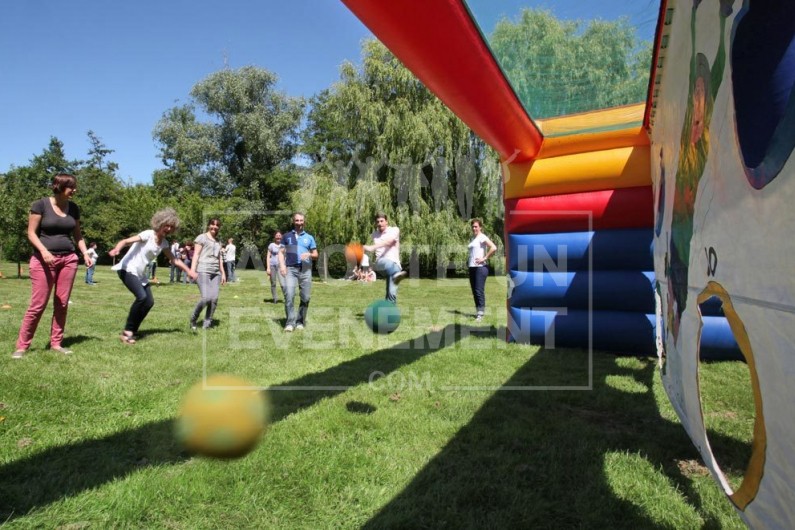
[{"x": 386, "y": 245}]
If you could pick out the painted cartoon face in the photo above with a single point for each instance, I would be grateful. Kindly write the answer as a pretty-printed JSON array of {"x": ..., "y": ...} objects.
[{"x": 699, "y": 111}]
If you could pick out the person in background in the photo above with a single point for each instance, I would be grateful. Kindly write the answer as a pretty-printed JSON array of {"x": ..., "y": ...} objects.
[
  {"x": 187, "y": 251},
  {"x": 386, "y": 245},
  {"x": 229, "y": 260},
  {"x": 209, "y": 267},
  {"x": 146, "y": 246},
  {"x": 295, "y": 266},
  {"x": 92, "y": 253},
  {"x": 174, "y": 273},
  {"x": 53, "y": 230},
  {"x": 272, "y": 265},
  {"x": 481, "y": 248}
]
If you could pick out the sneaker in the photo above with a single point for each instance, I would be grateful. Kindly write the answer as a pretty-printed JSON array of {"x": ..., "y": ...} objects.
[
  {"x": 479, "y": 317},
  {"x": 61, "y": 349},
  {"x": 18, "y": 354},
  {"x": 398, "y": 276},
  {"x": 288, "y": 328},
  {"x": 207, "y": 324},
  {"x": 299, "y": 327},
  {"x": 192, "y": 324}
]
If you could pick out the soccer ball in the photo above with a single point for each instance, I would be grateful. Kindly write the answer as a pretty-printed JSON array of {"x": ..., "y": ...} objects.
[
  {"x": 222, "y": 417},
  {"x": 382, "y": 316},
  {"x": 354, "y": 252}
]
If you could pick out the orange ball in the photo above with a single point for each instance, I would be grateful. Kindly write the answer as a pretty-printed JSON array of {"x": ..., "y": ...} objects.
[{"x": 354, "y": 252}]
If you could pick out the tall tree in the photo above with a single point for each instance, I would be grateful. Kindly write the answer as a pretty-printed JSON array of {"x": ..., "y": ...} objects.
[
  {"x": 379, "y": 133},
  {"x": 99, "y": 195},
  {"x": 562, "y": 67},
  {"x": 245, "y": 146}
]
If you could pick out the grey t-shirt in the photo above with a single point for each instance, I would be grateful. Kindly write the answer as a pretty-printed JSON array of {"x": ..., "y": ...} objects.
[
  {"x": 209, "y": 255},
  {"x": 274, "y": 252},
  {"x": 55, "y": 232}
]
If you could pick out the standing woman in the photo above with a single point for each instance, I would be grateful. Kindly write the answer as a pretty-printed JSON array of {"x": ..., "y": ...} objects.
[
  {"x": 131, "y": 269},
  {"x": 53, "y": 230},
  {"x": 481, "y": 249},
  {"x": 208, "y": 263},
  {"x": 272, "y": 267}
]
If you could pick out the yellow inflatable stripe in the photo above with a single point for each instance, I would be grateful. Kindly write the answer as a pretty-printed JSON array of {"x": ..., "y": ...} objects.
[
  {"x": 592, "y": 121},
  {"x": 593, "y": 141},
  {"x": 624, "y": 167}
]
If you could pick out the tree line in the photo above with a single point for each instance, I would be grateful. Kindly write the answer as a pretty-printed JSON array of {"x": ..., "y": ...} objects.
[{"x": 376, "y": 140}]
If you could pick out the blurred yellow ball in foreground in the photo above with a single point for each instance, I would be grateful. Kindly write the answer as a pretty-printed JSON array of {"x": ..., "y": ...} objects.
[{"x": 222, "y": 417}]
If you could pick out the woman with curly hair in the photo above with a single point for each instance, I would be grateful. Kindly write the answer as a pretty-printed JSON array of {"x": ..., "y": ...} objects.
[{"x": 146, "y": 246}]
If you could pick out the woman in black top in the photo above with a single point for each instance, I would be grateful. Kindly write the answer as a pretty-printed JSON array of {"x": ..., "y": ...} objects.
[{"x": 53, "y": 230}]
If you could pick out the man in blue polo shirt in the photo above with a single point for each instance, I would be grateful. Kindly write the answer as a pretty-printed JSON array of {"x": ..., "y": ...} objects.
[{"x": 295, "y": 264}]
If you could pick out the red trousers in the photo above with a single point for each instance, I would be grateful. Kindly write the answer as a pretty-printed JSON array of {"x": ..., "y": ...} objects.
[{"x": 43, "y": 278}]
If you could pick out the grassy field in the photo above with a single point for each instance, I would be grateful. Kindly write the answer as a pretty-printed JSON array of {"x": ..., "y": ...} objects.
[{"x": 438, "y": 425}]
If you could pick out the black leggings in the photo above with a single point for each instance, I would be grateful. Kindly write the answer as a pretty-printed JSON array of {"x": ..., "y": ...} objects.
[{"x": 143, "y": 300}]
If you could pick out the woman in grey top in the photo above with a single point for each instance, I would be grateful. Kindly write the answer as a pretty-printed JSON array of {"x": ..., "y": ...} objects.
[{"x": 207, "y": 262}]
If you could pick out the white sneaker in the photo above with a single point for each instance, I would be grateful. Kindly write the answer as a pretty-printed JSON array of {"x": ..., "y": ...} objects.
[
  {"x": 299, "y": 327},
  {"x": 288, "y": 329}
]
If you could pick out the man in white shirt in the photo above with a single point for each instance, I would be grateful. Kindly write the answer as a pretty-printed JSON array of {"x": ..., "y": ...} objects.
[{"x": 386, "y": 245}]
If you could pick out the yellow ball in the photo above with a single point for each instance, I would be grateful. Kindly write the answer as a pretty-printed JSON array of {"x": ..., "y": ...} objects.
[{"x": 222, "y": 417}]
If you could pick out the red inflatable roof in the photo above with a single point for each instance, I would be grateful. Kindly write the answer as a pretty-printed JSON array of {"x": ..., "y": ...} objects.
[{"x": 442, "y": 45}]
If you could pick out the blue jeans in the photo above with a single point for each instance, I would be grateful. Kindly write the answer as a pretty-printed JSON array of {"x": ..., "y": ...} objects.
[
  {"x": 302, "y": 279},
  {"x": 230, "y": 271},
  {"x": 90, "y": 275},
  {"x": 389, "y": 268}
]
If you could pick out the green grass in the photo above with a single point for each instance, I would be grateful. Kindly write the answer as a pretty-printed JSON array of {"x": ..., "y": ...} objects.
[{"x": 86, "y": 440}]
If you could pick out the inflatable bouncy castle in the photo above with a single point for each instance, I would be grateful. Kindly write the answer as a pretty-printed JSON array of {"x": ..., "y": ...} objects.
[{"x": 657, "y": 228}]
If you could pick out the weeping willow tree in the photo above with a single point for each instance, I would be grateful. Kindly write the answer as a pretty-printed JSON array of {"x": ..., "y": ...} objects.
[
  {"x": 562, "y": 67},
  {"x": 380, "y": 140}
]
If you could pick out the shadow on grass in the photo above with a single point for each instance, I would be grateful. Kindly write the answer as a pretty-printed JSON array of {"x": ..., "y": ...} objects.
[
  {"x": 78, "y": 339},
  {"x": 526, "y": 459},
  {"x": 307, "y": 390},
  {"x": 59, "y": 472},
  {"x": 538, "y": 459}
]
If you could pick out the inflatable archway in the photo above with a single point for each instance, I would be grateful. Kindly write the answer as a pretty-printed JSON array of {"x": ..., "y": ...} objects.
[{"x": 659, "y": 227}]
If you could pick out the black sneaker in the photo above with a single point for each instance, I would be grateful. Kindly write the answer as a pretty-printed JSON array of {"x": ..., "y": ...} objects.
[
  {"x": 399, "y": 276},
  {"x": 193, "y": 326}
]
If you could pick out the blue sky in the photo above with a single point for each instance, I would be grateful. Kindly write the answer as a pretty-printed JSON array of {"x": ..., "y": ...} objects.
[{"x": 67, "y": 66}]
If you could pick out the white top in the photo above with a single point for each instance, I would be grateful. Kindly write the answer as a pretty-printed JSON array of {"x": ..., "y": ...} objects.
[
  {"x": 229, "y": 252},
  {"x": 365, "y": 260},
  {"x": 392, "y": 251},
  {"x": 92, "y": 254},
  {"x": 477, "y": 249},
  {"x": 140, "y": 254}
]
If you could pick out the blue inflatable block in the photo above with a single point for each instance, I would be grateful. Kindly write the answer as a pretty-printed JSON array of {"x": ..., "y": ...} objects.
[
  {"x": 629, "y": 249},
  {"x": 717, "y": 340},
  {"x": 619, "y": 332},
  {"x": 605, "y": 290}
]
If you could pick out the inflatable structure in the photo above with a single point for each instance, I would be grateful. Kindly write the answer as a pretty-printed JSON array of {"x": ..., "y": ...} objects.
[{"x": 663, "y": 227}]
